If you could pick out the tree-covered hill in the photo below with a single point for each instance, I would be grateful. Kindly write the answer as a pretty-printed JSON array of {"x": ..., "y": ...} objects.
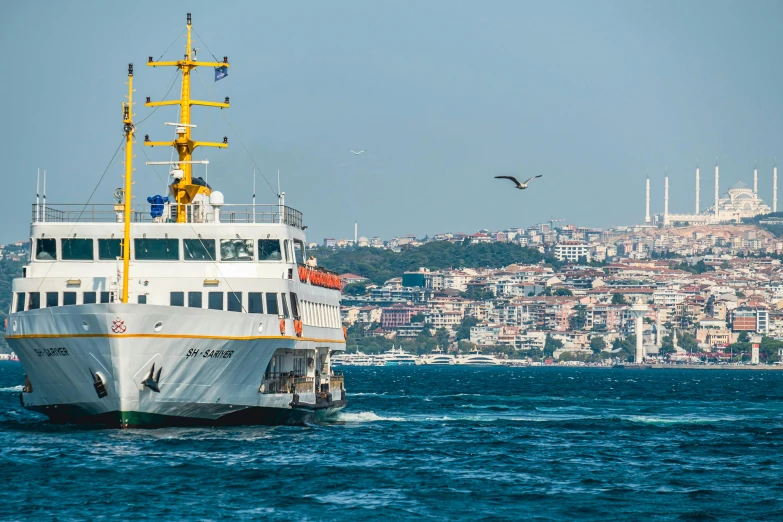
[{"x": 379, "y": 265}]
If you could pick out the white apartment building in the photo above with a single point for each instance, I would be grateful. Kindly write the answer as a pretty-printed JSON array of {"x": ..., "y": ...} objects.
[{"x": 572, "y": 251}]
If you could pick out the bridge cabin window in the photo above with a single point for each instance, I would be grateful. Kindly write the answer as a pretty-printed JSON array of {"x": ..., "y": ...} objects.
[
  {"x": 142, "y": 299},
  {"x": 286, "y": 249},
  {"x": 232, "y": 250},
  {"x": 20, "y": 301},
  {"x": 89, "y": 298},
  {"x": 285, "y": 306},
  {"x": 234, "y": 301},
  {"x": 46, "y": 249},
  {"x": 271, "y": 304},
  {"x": 109, "y": 249},
  {"x": 299, "y": 251},
  {"x": 269, "y": 250},
  {"x": 177, "y": 299},
  {"x": 255, "y": 303},
  {"x": 295, "y": 306},
  {"x": 69, "y": 298},
  {"x": 194, "y": 300},
  {"x": 74, "y": 249},
  {"x": 52, "y": 299},
  {"x": 156, "y": 249},
  {"x": 199, "y": 249},
  {"x": 105, "y": 297},
  {"x": 215, "y": 301},
  {"x": 34, "y": 301}
]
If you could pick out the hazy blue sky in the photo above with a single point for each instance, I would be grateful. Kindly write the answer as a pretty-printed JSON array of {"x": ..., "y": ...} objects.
[{"x": 443, "y": 95}]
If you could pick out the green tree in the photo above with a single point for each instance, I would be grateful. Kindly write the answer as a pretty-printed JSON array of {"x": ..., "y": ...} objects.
[
  {"x": 442, "y": 337},
  {"x": 597, "y": 344},
  {"x": 463, "y": 332},
  {"x": 355, "y": 289},
  {"x": 579, "y": 318},
  {"x": 465, "y": 346},
  {"x": 618, "y": 299},
  {"x": 743, "y": 337},
  {"x": 562, "y": 292},
  {"x": 551, "y": 344},
  {"x": 417, "y": 318}
]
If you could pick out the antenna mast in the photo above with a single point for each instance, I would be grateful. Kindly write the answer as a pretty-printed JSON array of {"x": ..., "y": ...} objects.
[
  {"x": 185, "y": 191},
  {"x": 127, "y": 120}
]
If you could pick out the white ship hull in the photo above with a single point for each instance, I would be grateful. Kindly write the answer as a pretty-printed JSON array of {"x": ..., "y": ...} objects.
[{"x": 212, "y": 366}]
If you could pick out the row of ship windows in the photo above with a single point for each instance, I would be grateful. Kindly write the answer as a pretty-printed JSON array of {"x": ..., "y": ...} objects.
[
  {"x": 314, "y": 314},
  {"x": 168, "y": 249}
]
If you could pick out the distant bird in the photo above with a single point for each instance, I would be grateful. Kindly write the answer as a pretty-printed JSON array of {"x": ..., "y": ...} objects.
[
  {"x": 357, "y": 153},
  {"x": 520, "y": 186}
]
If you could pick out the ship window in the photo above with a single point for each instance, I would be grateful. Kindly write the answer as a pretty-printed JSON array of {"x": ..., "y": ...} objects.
[
  {"x": 295, "y": 305},
  {"x": 299, "y": 251},
  {"x": 236, "y": 249},
  {"x": 271, "y": 304},
  {"x": 52, "y": 299},
  {"x": 109, "y": 249},
  {"x": 76, "y": 249},
  {"x": 285, "y": 249},
  {"x": 255, "y": 303},
  {"x": 105, "y": 297},
  {"x": 20, "y": 301},
  {"x": 194, "y": 299},
  {"x": 142, "y": 299},
  {"x": 177, "y": 299},
  {"x": 46, "y": 249},
  {"x": 235, "y": 301},
  {"x": 156, "y": 249},
  {"x": 285, "y": 306},
  {"x": 35, "y": 301},
  {"x": 69, "y": 298},
  {"x": 199, "y": 249},
  {"x": 269, "y": 250},
  {"x": 89, "y": 298},
  {"x": 216, "y": 300}
]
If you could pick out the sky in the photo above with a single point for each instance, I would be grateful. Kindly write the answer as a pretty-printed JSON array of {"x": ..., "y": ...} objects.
[{"x": 443, "y": 95}]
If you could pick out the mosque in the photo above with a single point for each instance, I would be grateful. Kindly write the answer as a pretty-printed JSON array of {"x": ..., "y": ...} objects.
[{"x": 740, "y": 201}]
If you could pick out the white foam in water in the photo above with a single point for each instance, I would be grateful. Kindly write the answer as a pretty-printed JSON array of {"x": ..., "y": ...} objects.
[
  {"x": 12, "y": 389},
  {"x": 365, "y": 416}
]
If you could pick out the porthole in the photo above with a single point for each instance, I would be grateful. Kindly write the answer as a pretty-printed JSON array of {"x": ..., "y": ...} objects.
[
  {"x": 260, "y": 327},
  {"x": 14, "y": 326},
  {"x": 85, "y": 326},
  {"x": 158, "y": 326}
]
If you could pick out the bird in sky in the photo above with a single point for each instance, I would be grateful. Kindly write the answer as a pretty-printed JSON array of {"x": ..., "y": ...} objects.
[
  {"x": 519, "y": 185},
  {"x": 357, "y": 153}
]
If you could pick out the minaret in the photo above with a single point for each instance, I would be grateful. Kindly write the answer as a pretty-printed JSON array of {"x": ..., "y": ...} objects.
[
  {"x": 717, "y": 190},
  {"x": 647, "y": 203},
  {"x": 755, "y": 182},
  {"x": 775, "y": 188},
  {"x": 356, "y": 234},
  {"x": 666, "y": 199},
  {"x": 697, "y": 187}
]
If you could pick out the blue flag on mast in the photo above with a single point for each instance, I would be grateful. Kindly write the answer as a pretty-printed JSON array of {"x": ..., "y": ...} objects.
[{"x": 221, "y": 72}]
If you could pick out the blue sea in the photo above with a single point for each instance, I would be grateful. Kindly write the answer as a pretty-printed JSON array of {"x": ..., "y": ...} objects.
[{"x": 437, "y": 443}]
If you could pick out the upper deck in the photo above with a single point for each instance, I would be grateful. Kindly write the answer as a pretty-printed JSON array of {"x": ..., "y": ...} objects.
[{"x": 167, "y": 213}]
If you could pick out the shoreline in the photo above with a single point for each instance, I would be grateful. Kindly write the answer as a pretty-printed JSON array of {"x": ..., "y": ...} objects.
[{"x": 754, "y": 367}]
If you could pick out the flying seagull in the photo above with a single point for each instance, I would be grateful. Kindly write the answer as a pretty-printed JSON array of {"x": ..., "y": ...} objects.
[
  {"x": 357, "y": 153},
  {"x": 519, "y": 185}
]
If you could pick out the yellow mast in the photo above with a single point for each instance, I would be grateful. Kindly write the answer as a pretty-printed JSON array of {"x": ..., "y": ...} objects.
[
  {"x": 127, "y": 120},
  {"x": 185, "y": 190}
]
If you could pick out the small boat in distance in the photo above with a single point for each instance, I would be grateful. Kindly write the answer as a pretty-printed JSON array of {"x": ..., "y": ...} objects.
[
  {"x": 396, "y": 357},
  {"x": 352, "y": 359}
]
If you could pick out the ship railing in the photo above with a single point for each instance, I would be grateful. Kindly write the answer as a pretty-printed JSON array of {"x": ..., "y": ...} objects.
[
  {"x": 166, "y": 213},
  {"x": 285, "y": 382}
]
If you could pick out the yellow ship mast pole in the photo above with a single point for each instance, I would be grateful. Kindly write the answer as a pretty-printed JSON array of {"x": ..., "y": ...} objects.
[
  {"x": 127, "y": 110},
  {"x": 185, "y": 190}
]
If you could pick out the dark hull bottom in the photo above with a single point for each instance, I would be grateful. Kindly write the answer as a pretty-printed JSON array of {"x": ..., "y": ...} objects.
[{"x": 249, "y": 416}]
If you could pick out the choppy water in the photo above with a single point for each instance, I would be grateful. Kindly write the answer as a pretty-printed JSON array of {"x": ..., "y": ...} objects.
[{"x": 429, "y": 442}]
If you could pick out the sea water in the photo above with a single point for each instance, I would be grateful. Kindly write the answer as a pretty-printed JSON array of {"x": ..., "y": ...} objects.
[{"x": 438, "y": 443}]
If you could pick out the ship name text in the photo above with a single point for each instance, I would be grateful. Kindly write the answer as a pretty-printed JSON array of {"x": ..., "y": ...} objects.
[
  {"x": 52, "y": 352},
  {"x": 210, "y": 354}
]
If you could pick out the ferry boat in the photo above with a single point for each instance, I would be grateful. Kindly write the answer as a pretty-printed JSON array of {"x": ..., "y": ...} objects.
[
  {"x": 187, "y": 311},
  {"x": 476, "y": 358},
  {"x": 439, "y": 357},
  {"x": 396, "y": 357}
]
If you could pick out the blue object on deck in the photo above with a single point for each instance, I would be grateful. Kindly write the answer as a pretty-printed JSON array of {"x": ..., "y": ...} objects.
[{"x": 157, "y": 202}]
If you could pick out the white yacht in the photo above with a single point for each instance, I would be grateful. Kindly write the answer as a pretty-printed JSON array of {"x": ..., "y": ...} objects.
[
  {"x": 439, "y": 357},
  {"x": 397, "y": 357},
  {"x": 476, "y": 358},
  {"x": 352, "y": 359},
  {"x": 186, "y": 311}
]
